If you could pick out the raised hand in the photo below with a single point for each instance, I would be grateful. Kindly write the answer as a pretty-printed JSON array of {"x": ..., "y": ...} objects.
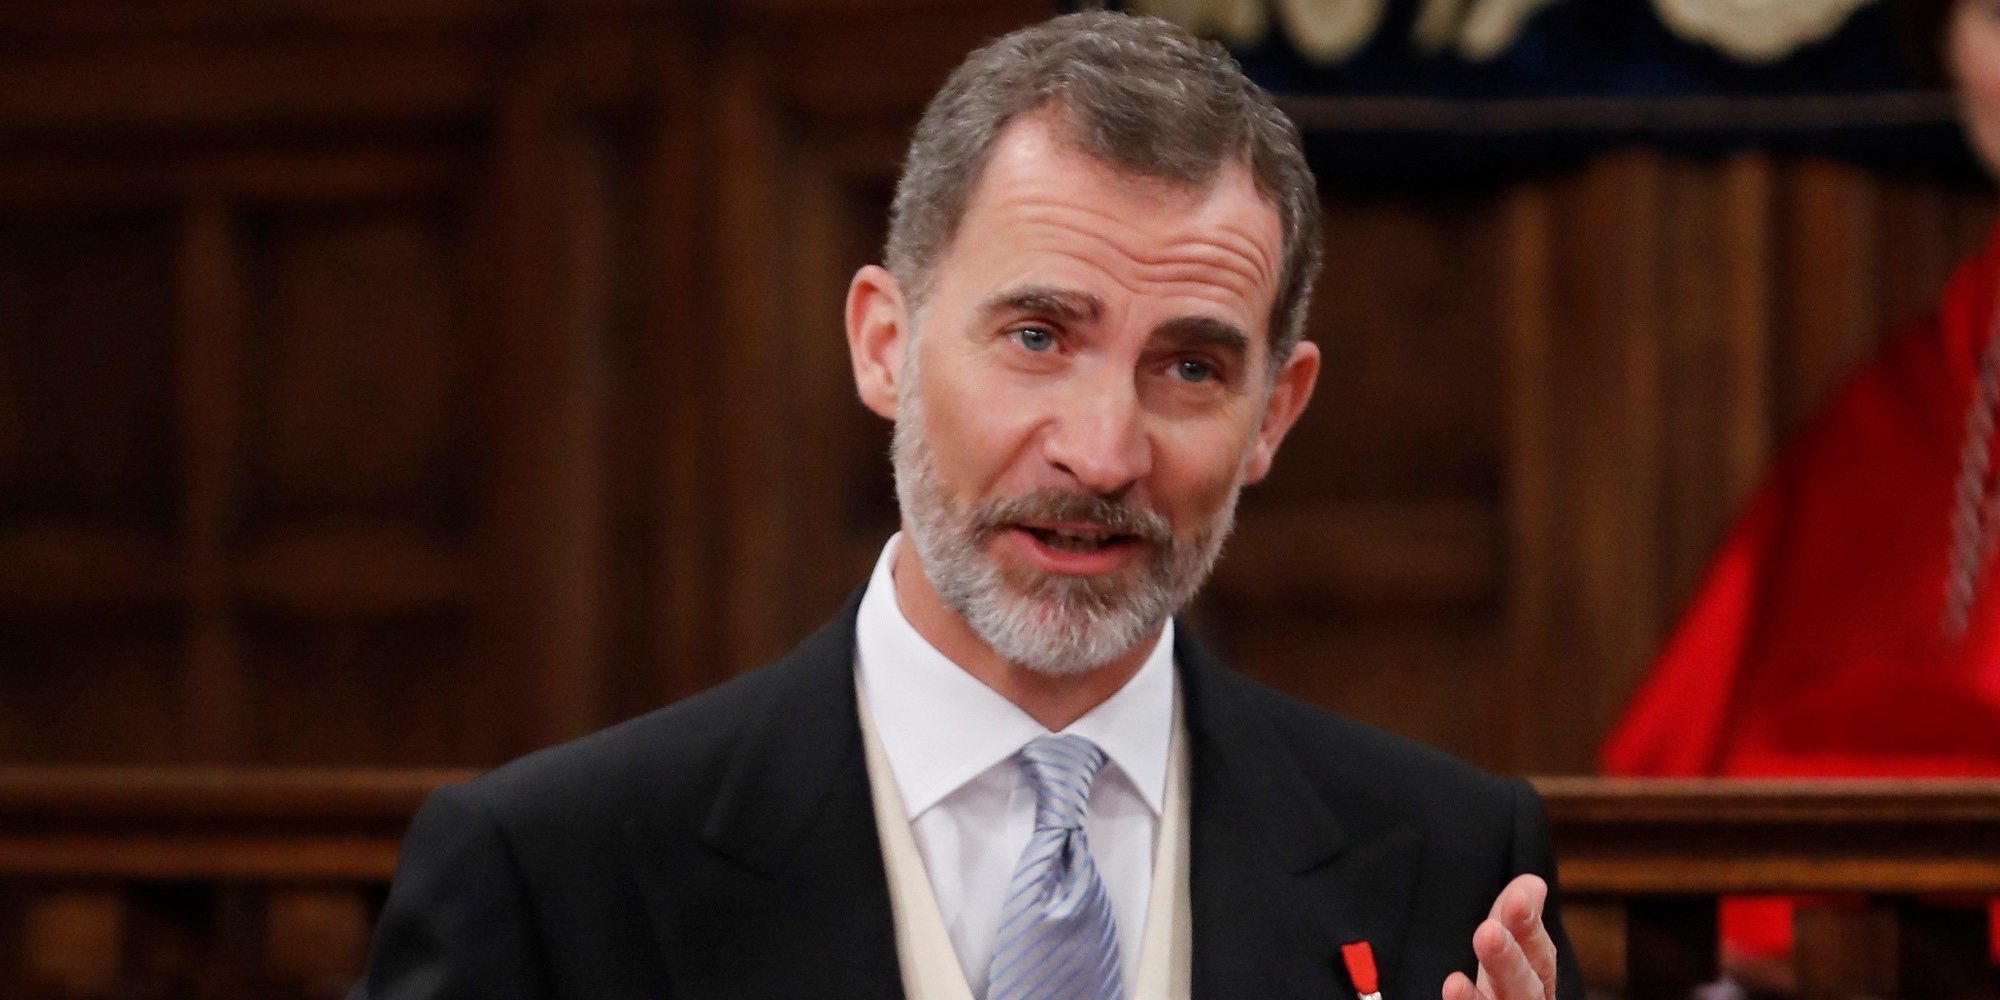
[{"x": 1517, "y": 959}]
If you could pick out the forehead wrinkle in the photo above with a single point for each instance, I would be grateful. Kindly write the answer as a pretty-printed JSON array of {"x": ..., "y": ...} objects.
[
  {"x": 1203, "y": 234},
  {"x": 1235, "y": 241},
  {"x": 1196, "y": 259},
  {"x": 1193, "y": 260},
  {"x": 1049, "y": 210},
  {"x": 1059, "y": 213}
]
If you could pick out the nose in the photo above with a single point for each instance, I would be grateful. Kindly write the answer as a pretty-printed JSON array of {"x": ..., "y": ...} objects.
[{"x": 1098, "y": 438}]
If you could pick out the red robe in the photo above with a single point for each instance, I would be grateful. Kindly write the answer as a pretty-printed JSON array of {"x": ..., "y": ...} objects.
[{"x": 1815, "y": 646}]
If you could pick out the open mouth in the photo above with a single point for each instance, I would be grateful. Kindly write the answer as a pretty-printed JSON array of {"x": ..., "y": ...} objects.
[{"x": 1080, "y": 540}]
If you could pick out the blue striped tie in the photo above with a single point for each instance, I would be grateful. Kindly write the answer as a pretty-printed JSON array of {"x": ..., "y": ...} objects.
[{"x": 1057, "y": 938}]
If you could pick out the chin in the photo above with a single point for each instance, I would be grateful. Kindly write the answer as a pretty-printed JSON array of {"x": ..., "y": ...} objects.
[{"x": 1058, "y": 637}]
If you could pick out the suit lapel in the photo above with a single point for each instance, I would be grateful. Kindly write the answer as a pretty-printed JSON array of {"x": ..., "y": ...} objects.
[
  {"x": 784, "y": 894},
  {"x": 1278, "y": 881}
]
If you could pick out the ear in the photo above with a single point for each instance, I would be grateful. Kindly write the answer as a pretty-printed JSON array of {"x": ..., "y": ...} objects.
[
  {"x": 1290, "y": 392},
  {"x": 877, "y": 335}
]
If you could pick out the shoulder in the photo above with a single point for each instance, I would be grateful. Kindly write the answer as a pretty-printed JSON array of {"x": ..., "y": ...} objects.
[
  {"x": 672, "y": 760},
  {"x": 552, "y": 831}
]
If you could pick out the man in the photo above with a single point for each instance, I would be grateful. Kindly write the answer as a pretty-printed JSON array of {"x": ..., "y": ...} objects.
[{"x": 1000, "y": 772}]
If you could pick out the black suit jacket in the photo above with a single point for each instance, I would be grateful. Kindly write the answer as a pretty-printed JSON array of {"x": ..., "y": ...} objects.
[{"x": 725, "y": 847}]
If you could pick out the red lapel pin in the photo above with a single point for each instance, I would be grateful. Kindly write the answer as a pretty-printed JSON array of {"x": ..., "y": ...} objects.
[{"x": 1360, "y": 960}]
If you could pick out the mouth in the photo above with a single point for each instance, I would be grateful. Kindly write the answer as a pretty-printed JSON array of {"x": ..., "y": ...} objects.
[
  {"x": 1079, "y": 549},
  {"x": 1055, "y": 534},
  {"x": 1079, "y": 539}
]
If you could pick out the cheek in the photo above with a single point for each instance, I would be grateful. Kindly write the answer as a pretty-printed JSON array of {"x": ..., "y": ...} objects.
[
  {"x": 974, "y": 436},
  {"x": 1196, "y": 473}
]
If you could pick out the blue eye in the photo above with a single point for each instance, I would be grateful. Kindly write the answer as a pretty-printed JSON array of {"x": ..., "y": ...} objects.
[
  {"x": 1035, "y": 338},
  {"x": 1194, "y": 371}
]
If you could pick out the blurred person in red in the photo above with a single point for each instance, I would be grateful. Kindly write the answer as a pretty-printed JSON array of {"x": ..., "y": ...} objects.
[{"x": 1850, "y": 625}]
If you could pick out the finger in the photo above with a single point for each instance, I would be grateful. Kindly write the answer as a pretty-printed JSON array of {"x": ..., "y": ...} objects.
[
  {"x": 1503, "y": 967},
  {"x": 1521, "y": 905},
  {"x": 1458, "y": 987},
  {"x": 1522, "y": 896}
]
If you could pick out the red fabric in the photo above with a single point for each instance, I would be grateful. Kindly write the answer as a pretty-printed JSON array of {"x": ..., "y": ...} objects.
[{"x": 1814, "y": 646}]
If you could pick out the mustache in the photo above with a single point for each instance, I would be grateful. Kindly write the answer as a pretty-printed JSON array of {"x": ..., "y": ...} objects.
[{"x": 1116, "y": 516}]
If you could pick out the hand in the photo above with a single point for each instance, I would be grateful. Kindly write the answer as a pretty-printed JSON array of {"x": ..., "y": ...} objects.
[{"x": 1517, "y": 960}]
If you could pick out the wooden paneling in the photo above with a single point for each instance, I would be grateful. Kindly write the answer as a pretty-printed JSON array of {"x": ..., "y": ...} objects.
[
  {"x": 85, "y": 419},
  {"x": 1593, "y": 345},
  {"x": 90, "y": 686},
  {"x": 1827, "y": 234},
  {"x": 383, "y": 689},
  {"x": 359, "y": 404},
  {"x": 1404, "y": 315},
  {"x": 1716, "y": 353}
]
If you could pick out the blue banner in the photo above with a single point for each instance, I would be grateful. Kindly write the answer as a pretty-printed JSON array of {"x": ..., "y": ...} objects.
[{"x": 1578, "y": 76}]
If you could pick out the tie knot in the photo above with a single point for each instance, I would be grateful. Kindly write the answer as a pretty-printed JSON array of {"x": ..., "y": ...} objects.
[{"x": 1061, "y": 768}]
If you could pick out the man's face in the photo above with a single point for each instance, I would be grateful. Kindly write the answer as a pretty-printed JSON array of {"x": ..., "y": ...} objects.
[{"x": 1087, "y": 390}]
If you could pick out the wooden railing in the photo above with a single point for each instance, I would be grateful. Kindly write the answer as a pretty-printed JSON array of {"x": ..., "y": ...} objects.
[
  {"x": 220, "y": 885},
  {"x": 199, "y": 884},
  {"x": 1894, "y": 876}
]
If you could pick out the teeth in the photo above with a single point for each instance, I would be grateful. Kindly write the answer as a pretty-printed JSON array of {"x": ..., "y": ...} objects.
[{"x": 1073, "y": 542}]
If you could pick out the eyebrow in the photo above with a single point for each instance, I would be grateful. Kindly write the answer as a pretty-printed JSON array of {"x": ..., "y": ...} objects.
[
  {"x": 1055, "y": 303},
  {"x": 1067, "y": 306},
  {"x": 1204, "y": 331}
]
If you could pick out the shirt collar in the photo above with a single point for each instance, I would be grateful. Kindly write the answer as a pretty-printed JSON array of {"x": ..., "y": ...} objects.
[{"x": 941, "y": 728}]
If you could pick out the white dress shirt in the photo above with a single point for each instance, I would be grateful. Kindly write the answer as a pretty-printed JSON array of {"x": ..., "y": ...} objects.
[{"x": 950, "y": 742}]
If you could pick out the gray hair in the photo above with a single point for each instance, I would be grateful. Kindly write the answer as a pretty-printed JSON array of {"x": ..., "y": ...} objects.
[{"x": 1138, "y": 93}]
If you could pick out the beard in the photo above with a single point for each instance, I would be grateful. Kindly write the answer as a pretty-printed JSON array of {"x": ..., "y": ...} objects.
[{"x": 1052, "y": 623}]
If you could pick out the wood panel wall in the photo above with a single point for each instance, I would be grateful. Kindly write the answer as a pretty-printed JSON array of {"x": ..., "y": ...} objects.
[{"x": 424, "y": 382}]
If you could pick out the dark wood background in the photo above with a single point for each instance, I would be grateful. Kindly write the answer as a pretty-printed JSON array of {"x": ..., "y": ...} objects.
[{"x": 420, "y": 382}]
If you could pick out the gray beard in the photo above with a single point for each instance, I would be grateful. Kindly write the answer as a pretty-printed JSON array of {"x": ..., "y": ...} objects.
[{"x": 1052, "y": 624}]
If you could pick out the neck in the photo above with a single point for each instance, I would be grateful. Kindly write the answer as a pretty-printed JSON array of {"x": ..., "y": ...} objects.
[{"x": 1055, "y": 701}]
